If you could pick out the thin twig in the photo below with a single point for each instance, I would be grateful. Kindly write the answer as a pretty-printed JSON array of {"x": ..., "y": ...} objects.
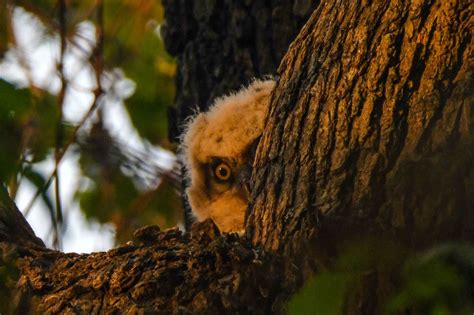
[
  {"x": 98, "y": 67},
  {"x": 71, "y": 140},
  {"x": 98, "y": 56},
  {"x": 60, "y": 132},
  {"x": 9, "y": 7}
]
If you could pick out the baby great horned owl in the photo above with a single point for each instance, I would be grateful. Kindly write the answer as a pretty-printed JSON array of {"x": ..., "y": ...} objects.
[{"x": 219, "y": 147}]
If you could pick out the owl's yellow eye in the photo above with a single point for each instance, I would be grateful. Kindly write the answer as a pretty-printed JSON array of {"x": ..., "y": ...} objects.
[{"x": 222, "y": 171}]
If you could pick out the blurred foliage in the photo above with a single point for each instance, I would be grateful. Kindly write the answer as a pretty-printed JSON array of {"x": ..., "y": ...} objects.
[
  {"x": 439, "y": 281},
  {"x": 113, "y": 196},
  {"x": 322, "y": 295},
  {"x": 135, "y": 46},
  {"x": 32, "y": 127},
  {"x": 132, "y": 44}
]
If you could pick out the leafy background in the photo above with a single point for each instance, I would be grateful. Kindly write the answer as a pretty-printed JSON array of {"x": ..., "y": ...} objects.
[{"x": 117, "y": 45}]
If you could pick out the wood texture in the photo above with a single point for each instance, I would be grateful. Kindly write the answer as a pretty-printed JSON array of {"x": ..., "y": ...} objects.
[
  {"x": 166, "y": 272},
  {"x": 221, "y": 45},
  {"x": 370, "y": 132},
  {"x": 13, "y": 226}
]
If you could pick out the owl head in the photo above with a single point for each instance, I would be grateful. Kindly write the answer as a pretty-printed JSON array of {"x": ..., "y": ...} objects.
[{"x": 218, "y": 149}]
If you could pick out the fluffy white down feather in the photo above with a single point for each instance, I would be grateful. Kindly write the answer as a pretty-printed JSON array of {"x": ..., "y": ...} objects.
[{"x": 223, "y": 134}]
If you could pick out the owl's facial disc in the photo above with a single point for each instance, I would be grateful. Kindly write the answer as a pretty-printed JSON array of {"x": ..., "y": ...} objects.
[{"x": 219, "y": 150}]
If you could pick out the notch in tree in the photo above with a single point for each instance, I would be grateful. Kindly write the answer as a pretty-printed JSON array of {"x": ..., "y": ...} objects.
[{"x": 369, "y": 136}]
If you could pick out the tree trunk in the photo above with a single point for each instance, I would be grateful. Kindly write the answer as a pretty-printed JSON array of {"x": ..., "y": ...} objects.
[
  {"x": 370, "y": 132},
  {"x": 372, "y": 121},
  {"x": 221, "y": 45}
]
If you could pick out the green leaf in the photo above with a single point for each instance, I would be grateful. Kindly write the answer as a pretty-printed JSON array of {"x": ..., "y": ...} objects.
[
  {"x": 439, "y": 281},
  {"x": 324, "y": 295},
  {"x": 43, "y": 122},
  {"x": 14, "y": 102},
  {"x": 14, "y": 106},
  {"x": 39, "y": 182}
]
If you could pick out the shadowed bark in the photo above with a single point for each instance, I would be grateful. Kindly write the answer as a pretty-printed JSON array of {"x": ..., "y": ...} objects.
[
  {"x": 372, "y": 121},
  {"x": 221, "y": 45},
  {"x": 166, "y": 271},
  {"x": 370, "y": 132},
  {"x": 13, "y": 226}
]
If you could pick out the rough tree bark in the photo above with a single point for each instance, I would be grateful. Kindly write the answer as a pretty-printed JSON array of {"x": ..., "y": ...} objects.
[
  {"x": 370, "y": 131},
  {"x": 220, "y": 45}
]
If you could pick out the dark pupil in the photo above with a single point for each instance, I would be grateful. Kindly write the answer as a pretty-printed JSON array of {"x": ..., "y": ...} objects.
[{"x": 223, "y": 171}]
